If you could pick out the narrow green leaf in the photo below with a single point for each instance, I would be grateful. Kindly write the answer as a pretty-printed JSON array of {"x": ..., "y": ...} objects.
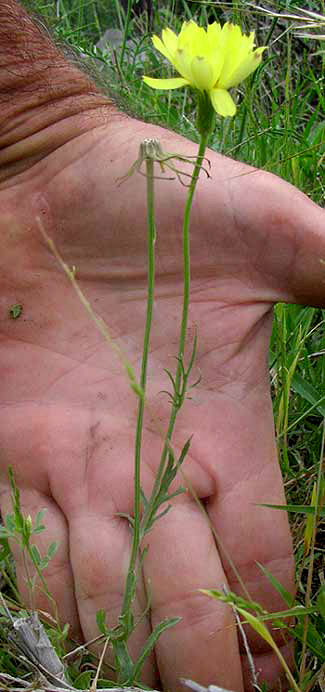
[
  {"x": 52, "y": 550},
  {"x": 232, "y": 598},
  {"x": 100, "y": 620},
  {"x": 82, "y": 681},
  {"x": 258, "y": 626},
  {"x": 179, "y": 491},
  {"x": 159, "y": 516},
  {"x": 172, "y": 379},
  {"x": 320, "y": 601},
  {"x": 299, "y": 509},
  {"x": 297, "y": 612},
  {"x": 65, "y": 631},
  {"x": 194, "y": 349},
  {"x": 171, "y": 397},
  {"x": 184, "y": 451},
  {"x": 124, "y": 515},
  {"x": 35, "y": 555},
  {"x": 4, "y": 533},
  {"x": 4, "y": 549},
  {"x": 143, "y": 498},
  {"x": 195, "y": 384},
  {"x": 181, "y": 364},
  {"x": 43, "y": 563},
  {"x": 143, "y": 554},
  {"x": 315, "y": 641},
  {"x": 151, "y": 643},
  {"x": 308, "y": 392},
  {"x": 287, "y": 597},
  {"x": 39, "y": 517},
  {"x": 10, "y": 523},
  {"x": 310, "y": 521}
]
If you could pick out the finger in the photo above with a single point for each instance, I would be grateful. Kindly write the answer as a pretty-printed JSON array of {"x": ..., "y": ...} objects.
[
  {"x": 236, "y": 446},
  {"x": 57, "y": 575},
  {"x": 181, "y": 559},
  {"x": 100, "y": 548},
  {"x": 306, "y": 282},
  {"x": 247, "y": 473},
  {"x": 267, "y": 668},
  {"x": 100, "y": 487}
]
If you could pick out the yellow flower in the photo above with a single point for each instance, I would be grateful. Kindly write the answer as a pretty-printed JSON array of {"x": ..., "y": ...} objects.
[{"x": 211, "y": 60}]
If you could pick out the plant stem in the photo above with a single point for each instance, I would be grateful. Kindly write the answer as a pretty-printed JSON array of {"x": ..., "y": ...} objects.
[
  {"x": 126, "y": 31},
  {"x": 183, "y": 332},
  {"x": 131, "y": 577},
  {"x": 126, "y": 617}
]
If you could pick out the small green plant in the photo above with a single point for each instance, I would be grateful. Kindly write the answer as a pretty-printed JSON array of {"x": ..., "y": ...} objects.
[{"x": 20, "y": 529}]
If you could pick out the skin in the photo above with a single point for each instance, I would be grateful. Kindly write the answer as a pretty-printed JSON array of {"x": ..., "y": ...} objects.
[{"x": 68, "y": 413}]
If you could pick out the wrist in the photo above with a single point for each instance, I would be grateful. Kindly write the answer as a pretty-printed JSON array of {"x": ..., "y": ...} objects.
[{"x": 40, "y": 92}]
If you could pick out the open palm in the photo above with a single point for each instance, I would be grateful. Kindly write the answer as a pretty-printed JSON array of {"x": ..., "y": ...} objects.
[{"x": 68, "y": 412}]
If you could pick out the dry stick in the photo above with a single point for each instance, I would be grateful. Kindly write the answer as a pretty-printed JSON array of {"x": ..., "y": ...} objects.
[
  {"x": 93, "y": 686},
  {"x": 100, "y": 324},
  {"x": 199, "y": 688},
  {"x": 245, "y": 642}
]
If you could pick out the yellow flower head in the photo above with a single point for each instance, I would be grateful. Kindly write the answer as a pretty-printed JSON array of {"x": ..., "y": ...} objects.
[{"x": 211, "y": 60}]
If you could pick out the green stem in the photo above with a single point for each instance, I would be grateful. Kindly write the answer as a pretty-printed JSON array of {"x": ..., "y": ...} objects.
[
  {"x": 182, "y": 339},
  {"x": 186, "y": 252},
  {"x": 131, "y": 577},
  {"x": 126, "y": 31}
]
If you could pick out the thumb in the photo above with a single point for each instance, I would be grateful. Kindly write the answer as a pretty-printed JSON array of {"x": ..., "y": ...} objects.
[
  {"x": 290, "y": 253},
  {"x": 306, "y": 280}
]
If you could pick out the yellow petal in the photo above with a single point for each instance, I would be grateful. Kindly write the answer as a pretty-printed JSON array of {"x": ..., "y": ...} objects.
[
  {"x": 159, "y": 45},
  {"x": 200, "y": 45},
  {"x": 188, "y": 33},
  {"x": 222, "y": 102},
  {"x": 217, "y": 67},
  {"x": 235, "y": 48},
  {"x": 243, "y": 69},
  {"x": 212, "y": 59},
  {"x": 182, "y": 62},
  {"x": 213, "y": 40},
  {"x": 231, "y": 34},
  {"x": 202, "y": 74},
  {"x": 213, "y": 31},
  {"x": 173, "y": 83},
  {"x": 170, "y": 40}
]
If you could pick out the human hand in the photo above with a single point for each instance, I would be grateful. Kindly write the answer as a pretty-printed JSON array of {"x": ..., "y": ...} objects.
[{"x": 68, "y": 412}]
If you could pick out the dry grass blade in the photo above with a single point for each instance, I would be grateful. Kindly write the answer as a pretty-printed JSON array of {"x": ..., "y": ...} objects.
[
  {"x": 300, "y": 19},
  {"x": 199, "y": 688}
]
